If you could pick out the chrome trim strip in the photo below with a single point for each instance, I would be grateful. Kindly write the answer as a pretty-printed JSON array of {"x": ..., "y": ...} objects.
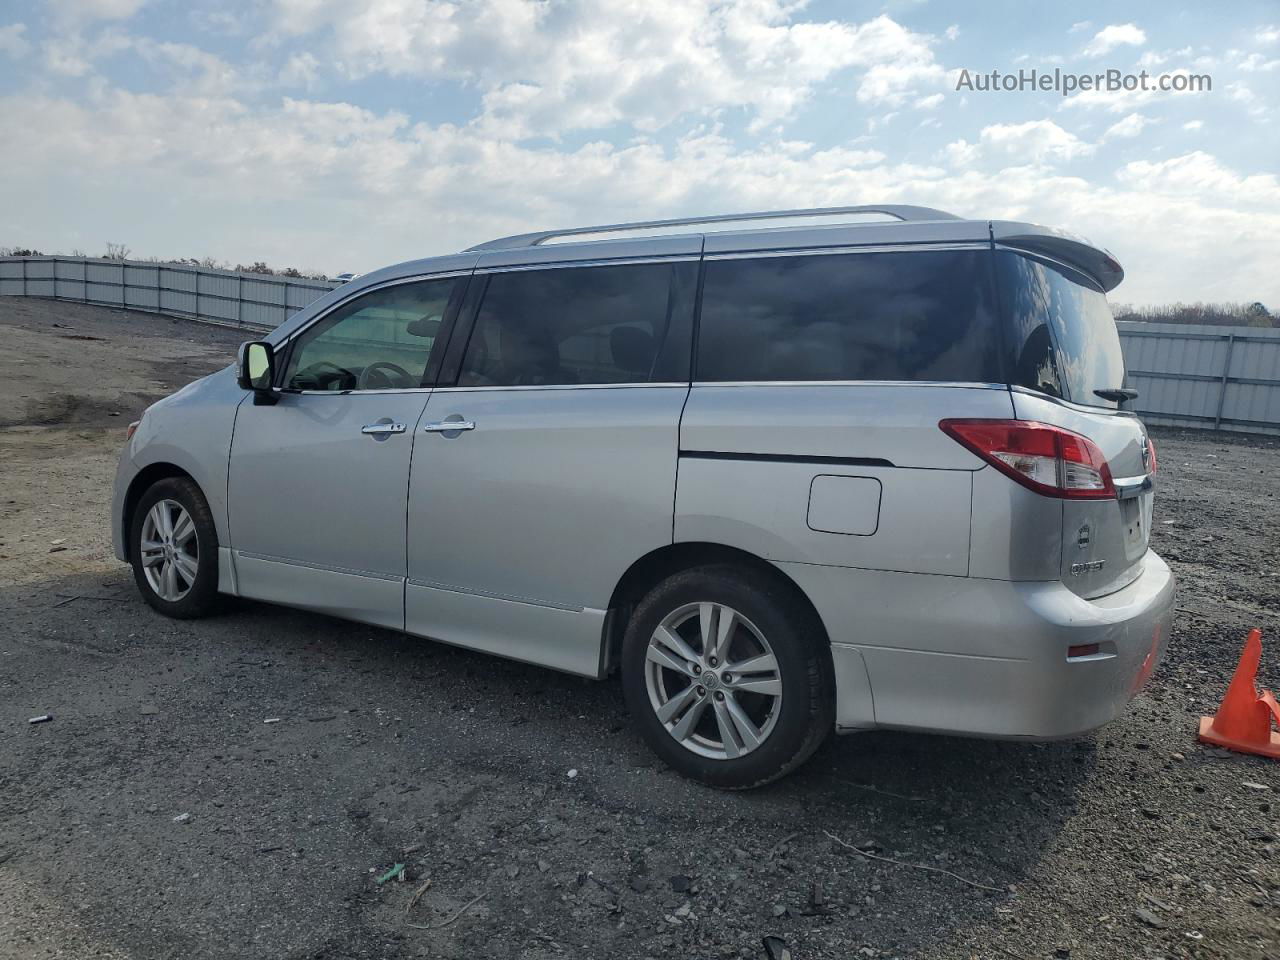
[
  {"x": 562, "y": 386},
  {"x": 852, "y": 383},
  {"x": 327, "y": 568},
  {"x": 350, "y": 393},
  {"x": 564, "y": 264},
  {"x": 847, "y": 248},
  {"x": 1129, "y": 487},
  {"x": 490, "y": 595}
]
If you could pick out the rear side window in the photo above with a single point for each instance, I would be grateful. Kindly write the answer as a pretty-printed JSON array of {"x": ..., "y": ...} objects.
[
  {"x": 1064, "y": 339},
  {"x": 576, "y": 325},
  {"x": 924, "y": 315}
]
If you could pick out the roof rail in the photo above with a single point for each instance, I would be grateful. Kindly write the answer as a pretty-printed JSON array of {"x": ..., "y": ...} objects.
[{"x": 901, "y": 211}]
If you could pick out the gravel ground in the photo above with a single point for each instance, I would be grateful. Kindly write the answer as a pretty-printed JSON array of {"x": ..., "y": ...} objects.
[{"x": 159, "y": 815}]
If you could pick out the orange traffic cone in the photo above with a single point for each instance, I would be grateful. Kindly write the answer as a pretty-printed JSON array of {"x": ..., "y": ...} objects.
[{"x": 1243, "y": 722}]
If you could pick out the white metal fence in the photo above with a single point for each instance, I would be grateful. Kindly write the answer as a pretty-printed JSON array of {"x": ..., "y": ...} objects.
[
  {"x": 1196, "y": 375},
  {"x": 255, "y": 300},
  {"x": 1219, "y": 378}
]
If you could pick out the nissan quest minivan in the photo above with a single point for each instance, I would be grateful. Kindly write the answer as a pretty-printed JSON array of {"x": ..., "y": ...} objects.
[{"x": 783, "y": 479}]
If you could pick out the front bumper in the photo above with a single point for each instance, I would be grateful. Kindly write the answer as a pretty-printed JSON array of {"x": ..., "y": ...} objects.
[
  {"x": 986, "y": 657},
  {"x": 126, "y": 470}
]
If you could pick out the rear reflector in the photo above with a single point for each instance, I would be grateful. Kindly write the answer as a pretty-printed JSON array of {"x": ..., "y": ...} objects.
[
  {"x": 1083, "y": 650},
  {"x": 1151, "y": 456},
  {"x": 1044, "y": 458}
]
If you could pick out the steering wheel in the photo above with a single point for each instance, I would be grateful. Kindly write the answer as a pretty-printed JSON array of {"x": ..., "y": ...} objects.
[
  {"x": 384, "y": 369},
  {"x": 312, "y": 373}
]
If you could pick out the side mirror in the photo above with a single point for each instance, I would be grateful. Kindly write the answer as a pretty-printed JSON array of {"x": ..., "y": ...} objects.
[
  {"x": 256, "y": 370},
  {"x": 426, "y": 327}
]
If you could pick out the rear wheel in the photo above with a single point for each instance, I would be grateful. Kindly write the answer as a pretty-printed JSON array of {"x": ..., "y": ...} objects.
[
  {"x": 725, "y": 675},
  {"x": 174, "y": 549}
]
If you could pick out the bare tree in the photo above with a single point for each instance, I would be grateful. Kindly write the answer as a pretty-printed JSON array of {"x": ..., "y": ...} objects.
[{"x": 116, "y": 251}]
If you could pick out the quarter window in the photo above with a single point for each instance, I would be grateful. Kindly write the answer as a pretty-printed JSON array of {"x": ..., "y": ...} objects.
[
  {"x": 922, "y": 315},
  {"x": 380, "y": 341},
  {"x": 576, "y": 325}
]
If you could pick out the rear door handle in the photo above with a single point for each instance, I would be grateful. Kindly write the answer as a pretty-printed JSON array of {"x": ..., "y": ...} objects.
[
  {"x": 448, "y": 426},
  {"x": 382, "y": 429}
]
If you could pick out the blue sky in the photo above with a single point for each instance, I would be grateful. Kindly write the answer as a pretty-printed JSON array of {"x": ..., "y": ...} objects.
[{"x": 339, "y": 135}]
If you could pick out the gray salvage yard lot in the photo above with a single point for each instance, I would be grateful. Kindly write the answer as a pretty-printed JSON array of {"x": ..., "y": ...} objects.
[{"x": 158, "y": 815}]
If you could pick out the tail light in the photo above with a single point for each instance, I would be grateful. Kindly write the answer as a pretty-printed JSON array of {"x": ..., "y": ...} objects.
[
  {"x": 133, "y": 428},
  {"x": 1044, "y": 458},
  {"x": 1151, "y": 456}
]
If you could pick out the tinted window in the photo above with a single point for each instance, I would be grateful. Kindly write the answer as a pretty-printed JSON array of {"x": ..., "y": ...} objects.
[
  {"x": 380, "y": 341},
  {"x": 1064, "y": 338},
  {"x": 577, "y": 325},
  {"x": 864, "y": 316}
]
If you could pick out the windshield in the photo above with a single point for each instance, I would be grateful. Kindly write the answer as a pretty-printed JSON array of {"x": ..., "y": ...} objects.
[{"x": 1064, "y": 340}]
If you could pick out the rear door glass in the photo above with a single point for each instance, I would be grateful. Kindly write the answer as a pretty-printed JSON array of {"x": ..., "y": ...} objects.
[
  {"x": 1064, "y": 339},
  {"x": 911, "y": 315},
  {"x": 582, "y": 325}
]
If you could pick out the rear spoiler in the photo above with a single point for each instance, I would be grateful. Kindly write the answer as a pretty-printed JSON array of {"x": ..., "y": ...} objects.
[{"x": 1060, "y": 245}]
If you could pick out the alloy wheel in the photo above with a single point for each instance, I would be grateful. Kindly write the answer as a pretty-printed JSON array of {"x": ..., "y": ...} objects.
[
  {"x": 713, "y": 680},
  {"x": 170, "y": 550}
]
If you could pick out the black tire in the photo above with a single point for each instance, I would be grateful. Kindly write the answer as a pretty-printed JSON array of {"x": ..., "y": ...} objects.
[
  {"x": 201, "y": 598},
  {"x": 807, "y": 711}
]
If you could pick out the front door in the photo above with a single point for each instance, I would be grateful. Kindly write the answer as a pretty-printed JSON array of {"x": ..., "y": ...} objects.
[
  {"x": 317, "y": 481},
  {"x": 550, "y": 466}
]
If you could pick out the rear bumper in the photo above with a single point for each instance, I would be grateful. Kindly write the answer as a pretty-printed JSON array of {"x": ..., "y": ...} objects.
[{"x": 986, "y": 657}]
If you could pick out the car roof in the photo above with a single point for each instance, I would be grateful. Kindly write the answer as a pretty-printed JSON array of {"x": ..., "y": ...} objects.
[{"x": 690, "y": 237}]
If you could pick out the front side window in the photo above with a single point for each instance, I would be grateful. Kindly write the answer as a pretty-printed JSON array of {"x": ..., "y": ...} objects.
[
  {"x": 1065, "y": 341},
  {"x": 577, "y": 325},
  {"x": 380, "y": 341},
  {"x": 920, "y": 315}
]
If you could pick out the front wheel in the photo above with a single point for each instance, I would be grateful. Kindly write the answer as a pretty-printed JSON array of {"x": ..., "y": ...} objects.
[
  {"x": 174, "y": 549},
  {"x": 726, "y": 676}
]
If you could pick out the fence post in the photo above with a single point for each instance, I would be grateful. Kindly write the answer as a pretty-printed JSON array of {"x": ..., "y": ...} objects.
[
  {"x": 24, "y": 276},
  {"x": 239, "y": 299},
  {"x": 1222, "y": 389}
]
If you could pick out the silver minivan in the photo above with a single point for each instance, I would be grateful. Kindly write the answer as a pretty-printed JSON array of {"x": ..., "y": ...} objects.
[{"x": 783, "y": 479}]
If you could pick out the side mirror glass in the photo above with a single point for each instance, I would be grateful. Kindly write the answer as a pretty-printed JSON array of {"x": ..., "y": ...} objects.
[{"x": 257, "y": 370}]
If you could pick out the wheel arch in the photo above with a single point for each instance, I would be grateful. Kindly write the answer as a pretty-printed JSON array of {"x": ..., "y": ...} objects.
[
  {"x": 654, "y": 567},
  {"x": 139, "y": 485}
]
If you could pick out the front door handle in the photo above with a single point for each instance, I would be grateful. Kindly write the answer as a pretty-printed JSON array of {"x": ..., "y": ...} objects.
[
  {"x": 382, "y": 429},
  {"x": 449, "y": 426}
]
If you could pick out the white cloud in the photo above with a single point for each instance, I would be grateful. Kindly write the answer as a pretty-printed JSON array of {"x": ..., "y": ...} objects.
[
  {"x": 1269, "y": 34},
  {"x": 1193, "y": 125},
  {"x": 12, "y": 41},
  {"x": 301, "y": 70},
  {"x": 1112, "y": 36},
  {"x": 1125, "y": 101},
  {"x": 1256, "y": 63},
  {"x": 952, "y": 31},
  {"x": 1130, "y": 126},
  {"x": 336, "y": 186},
  {"x": 1036, "y": 141},
  {"x": 931, "y": 102},
  {"x": 1080, "y": 25},
  {"x": 187, "y": 68},
  {"x": 545, "y": 69},
  {"x": 80, "y": 11}
]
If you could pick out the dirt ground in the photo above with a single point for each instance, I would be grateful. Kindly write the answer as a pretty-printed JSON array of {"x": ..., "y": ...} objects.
[{"x": 159, "y": 815}]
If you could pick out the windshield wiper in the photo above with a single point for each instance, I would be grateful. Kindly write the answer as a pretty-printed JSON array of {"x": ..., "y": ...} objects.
[{"x": 1117, "y": 394}]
